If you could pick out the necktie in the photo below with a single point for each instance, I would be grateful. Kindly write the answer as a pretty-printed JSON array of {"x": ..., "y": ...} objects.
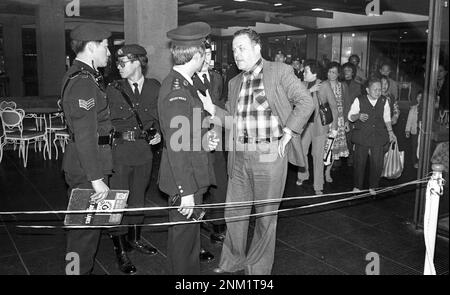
[
  {"x": 136, "y": 89},
  {"x": 206, "y": 81}
]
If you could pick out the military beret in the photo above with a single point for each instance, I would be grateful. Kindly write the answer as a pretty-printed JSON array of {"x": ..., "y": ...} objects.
[
  {"x": 89, "y": 32},
  {"x": 192, "y": 34},
  {"x": 131, "y": 49}
]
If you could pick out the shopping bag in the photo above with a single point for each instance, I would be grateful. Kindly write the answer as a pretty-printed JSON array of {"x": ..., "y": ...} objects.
[{"x": 393, "y": 162}]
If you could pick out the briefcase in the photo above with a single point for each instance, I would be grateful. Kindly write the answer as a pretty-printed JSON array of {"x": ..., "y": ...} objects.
[{"x": 80, "y": 199}]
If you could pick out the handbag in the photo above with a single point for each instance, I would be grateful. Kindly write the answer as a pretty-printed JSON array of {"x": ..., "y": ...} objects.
[
  {"x": 326, "y": 116},
  {"x": 393, "y": 162}
]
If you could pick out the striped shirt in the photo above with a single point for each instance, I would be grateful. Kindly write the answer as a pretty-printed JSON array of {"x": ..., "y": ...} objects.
[{"x": 254, "y": 116}]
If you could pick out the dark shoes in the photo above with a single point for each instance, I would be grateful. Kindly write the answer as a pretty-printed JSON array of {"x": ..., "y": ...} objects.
[
  {"x": 206, "y": 256},
  {"x": 124, "y": 263},
  {"x": 134, "y": 242}
]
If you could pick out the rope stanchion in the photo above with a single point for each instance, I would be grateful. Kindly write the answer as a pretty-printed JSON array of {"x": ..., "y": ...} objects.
[
  {"x": 235, "y": 218},
  {"x": 433, "y": 193}
]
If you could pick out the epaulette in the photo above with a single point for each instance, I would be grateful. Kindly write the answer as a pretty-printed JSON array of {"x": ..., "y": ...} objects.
[{"x": 176, "y": 84}]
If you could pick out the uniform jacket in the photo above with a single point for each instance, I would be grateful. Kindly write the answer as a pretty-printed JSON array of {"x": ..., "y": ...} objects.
[
  {"x": 288, "y": 99},
  {"x": 87, "y": 114},
  {"x": 123, "y": 119},
  {"x": 185, "y": 166}
]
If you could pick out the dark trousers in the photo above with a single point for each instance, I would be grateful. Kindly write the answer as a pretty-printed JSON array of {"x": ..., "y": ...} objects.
[
  {"x": 184, "y": 243},
  {"x": 84, "y": 242},
  {"x": 218, "y": 193},
  {"x": 376, "y": 165},
  {"x": 135, "y": 179}
]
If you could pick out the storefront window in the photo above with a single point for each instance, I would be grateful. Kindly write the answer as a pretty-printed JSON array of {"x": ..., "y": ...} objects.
[
  {"x": 295, "y": 47},
  {"x": 355, "y": 43},
  {"x": 328, "y": 47},
  {"x": 384, "y": 49},
  {"x": 275, "y": 44}
]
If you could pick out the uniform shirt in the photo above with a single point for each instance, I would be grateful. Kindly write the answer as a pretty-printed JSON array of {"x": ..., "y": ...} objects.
[
  {"x": 254, "y": 116},
  {"x": 140, "y": 83},
  {"x": 87, "y": 114}
]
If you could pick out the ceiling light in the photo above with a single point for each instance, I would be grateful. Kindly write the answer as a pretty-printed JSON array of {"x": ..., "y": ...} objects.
[
  {"x": 278, "y": 4},
  {"x": 353, "y": 34},
  {"x": 240, "y": 0},
  {"x": 317, "y": 9}
]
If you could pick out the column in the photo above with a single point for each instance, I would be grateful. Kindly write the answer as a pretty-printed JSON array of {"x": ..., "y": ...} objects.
[
  {"x": 146, "y": 23},
  {"x": 12, "y": 34},
  {"x": 51, "y": 48}
]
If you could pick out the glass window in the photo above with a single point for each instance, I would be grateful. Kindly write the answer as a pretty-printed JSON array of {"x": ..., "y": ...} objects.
[
  {"x": 295, "y": 47},
  {"x": 384, "y": 49},
  {"x": 355, "y": 43},
  {"x": 275, "y": 44},
  {"x": 328, "y": 47}
]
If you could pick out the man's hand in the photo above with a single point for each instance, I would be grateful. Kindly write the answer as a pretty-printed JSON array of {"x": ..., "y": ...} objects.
[
  {"x": 207, "y": 102},
  {"x": 156, "y": 139},
  {"x": 101, "y": 190},
  {"x": 282, "y": 144},
  {"x": 407, "y": 134},
  {"x": 213, "y": 140},
  {"x": 187, "y": 201}
]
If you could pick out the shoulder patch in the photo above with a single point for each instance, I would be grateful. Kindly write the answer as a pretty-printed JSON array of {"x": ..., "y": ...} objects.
[
  {"x": 86, "y": 104},
  {"x": 176, "y": 84},
  {"x": 177, "y": 98}
]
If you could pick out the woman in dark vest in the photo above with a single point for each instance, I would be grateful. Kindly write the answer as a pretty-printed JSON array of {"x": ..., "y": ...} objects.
[{"x": 371, "y": 114}]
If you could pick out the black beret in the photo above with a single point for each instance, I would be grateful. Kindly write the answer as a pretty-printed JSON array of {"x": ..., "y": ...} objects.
[
  {"x": 134, "y": 49},
  {"x": 89, "y": 32},
  {"x": 192, "y": 34}
]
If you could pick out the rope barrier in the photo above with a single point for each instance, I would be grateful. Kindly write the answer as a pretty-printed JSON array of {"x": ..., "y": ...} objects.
[
  {"x": 206, "y": 206},
  {"x": 227, "y": 206}
]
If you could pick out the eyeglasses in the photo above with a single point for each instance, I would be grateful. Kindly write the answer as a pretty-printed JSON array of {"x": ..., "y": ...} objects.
[{"x": 122, "y": 63}]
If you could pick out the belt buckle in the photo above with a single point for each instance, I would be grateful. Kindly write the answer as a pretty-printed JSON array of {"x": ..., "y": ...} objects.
[
  {"x": 132, "y": 137},
  {"x": 129, "y": 136}
]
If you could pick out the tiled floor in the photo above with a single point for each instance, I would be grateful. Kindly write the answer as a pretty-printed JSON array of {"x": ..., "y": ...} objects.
[{"x": 331, "y": 239}]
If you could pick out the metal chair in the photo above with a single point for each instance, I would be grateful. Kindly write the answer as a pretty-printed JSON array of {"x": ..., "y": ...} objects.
[
  {"x": 12, "y": 122},
  {"x": 57, "y": 126}
]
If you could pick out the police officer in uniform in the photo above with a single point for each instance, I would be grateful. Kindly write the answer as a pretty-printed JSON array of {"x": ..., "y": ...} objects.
[
  {"x": 133, "y": 137},
  {"x": 87, "y": 162},
  {"x": 186, "y": 171}
]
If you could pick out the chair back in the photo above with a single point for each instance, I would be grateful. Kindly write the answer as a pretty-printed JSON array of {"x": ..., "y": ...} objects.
[
  {"x": 7, "y": 104},
  {"x": 12, "y": 120}
]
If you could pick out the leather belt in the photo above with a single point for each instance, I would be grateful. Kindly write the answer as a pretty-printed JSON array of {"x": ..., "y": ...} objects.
[
  {"x": 252, "y": 140},
  {"x": 130, "y": 135},
  {"x": 102, "y": 140}
]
